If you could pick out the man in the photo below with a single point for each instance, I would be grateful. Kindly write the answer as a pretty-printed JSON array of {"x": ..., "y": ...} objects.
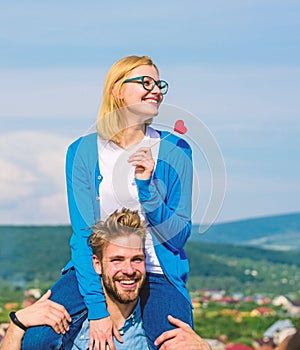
[{"x": 118, "y": 256}]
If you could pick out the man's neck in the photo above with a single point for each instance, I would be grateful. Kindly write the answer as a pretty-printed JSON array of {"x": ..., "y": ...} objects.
[{"x": 119, "y": 312}]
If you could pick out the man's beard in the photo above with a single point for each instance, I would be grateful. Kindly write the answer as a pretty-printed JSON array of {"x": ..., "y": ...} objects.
[{"x": 118, "y": 294}]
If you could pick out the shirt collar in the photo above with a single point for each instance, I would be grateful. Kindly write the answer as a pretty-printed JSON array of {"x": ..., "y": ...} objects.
[{"x": 134, "y": 318}]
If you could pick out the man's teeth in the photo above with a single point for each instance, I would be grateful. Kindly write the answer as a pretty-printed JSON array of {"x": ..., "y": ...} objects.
[{"x": 128, "y": 282}]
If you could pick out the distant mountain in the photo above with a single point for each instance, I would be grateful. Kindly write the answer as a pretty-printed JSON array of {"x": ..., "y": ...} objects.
[
  {"x": 242, "y": 268},
  {"x": 280, "y": 232},
  {"x": 33, "y": 252},
  {"x": 32, "y": 255}
]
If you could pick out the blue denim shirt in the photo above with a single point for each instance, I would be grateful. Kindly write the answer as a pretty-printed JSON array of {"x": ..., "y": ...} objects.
[{"x": 132, "y": 333}]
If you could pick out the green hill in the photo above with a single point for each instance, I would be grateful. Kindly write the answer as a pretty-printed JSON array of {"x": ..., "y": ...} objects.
[
  {"x": 36, "y": 254},
  {"x": 280, "y": 232},
  {"x": 238, "y": 268},
  {"x": 30, "y": 253}
]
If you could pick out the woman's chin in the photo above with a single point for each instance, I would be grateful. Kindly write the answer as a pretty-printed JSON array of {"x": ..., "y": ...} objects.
[{"x": 143, "y": 111}]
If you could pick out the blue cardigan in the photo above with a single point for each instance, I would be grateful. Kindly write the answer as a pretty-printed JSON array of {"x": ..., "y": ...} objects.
[{"x": 166, "y": 199}]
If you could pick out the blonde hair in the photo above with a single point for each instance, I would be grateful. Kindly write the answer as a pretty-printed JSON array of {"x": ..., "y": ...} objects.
[
  {"x": 109, "y": 121},
  {"x": 120, "y": 223}
]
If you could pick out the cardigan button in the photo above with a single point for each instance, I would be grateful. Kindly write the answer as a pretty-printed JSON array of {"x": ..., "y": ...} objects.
[
  {"x": 97, "y": 198},
  {"x": 99, "y": 177}
]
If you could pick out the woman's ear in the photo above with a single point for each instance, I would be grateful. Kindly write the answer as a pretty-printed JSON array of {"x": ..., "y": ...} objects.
[
  {"x": 97, "y": 264},
  {"x": 117, "y": 92}
]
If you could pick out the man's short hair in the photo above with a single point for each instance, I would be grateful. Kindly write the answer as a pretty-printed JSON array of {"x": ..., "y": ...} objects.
[{"x": 120, "y": 223}]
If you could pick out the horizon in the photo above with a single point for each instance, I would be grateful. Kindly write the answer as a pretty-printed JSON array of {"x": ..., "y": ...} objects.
[{"x": 193, "y": 223}]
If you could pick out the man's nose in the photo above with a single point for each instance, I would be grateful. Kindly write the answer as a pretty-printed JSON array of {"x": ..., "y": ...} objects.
[{"x": 128, "y": 268}]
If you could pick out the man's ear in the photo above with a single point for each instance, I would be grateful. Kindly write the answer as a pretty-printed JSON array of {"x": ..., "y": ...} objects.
[{"x": 97, "y": 264}]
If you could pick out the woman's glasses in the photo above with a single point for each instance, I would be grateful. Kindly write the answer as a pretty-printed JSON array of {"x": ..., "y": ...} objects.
[{"x": 149, "y": 83}]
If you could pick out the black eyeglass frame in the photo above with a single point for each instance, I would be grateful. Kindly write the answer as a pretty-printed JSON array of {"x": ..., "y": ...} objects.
[{"x": 161, "y": 84}]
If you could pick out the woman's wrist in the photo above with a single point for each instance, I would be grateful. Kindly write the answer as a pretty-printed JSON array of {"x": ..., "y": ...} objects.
[{"x": 143, "y": 176}]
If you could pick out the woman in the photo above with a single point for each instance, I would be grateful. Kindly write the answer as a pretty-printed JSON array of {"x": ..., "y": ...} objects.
[{"x": 129, "y": 164}]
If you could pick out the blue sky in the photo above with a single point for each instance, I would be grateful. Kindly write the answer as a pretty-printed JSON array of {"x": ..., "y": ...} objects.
[{"x": 233, "y": 67}]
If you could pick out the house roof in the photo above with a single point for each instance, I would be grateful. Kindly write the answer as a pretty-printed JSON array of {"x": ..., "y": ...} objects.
[
  {"x": 263, "y": 309},
  {"x": 238, "y": 346},
  {"x": 278, "y": 326},
  {"x": 295, "y": 303}
]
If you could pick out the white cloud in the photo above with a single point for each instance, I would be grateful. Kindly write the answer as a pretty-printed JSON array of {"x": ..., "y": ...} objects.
[
  {"x": 32, "y": 178},
  {"x": 53, "y": 209},
  {"x": 10, "y": 179}
]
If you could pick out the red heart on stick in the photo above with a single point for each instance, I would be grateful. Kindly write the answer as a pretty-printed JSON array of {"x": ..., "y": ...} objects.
[{"x": 180, "y": 127}]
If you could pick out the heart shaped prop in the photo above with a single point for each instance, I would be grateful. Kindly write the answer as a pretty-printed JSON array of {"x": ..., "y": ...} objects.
[{"x": 180, "y": 127}]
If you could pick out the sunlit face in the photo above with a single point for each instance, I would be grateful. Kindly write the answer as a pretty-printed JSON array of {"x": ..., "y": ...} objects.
[
  {"x": 122, "y": 268},
  {"x": 134, "y": 95}
]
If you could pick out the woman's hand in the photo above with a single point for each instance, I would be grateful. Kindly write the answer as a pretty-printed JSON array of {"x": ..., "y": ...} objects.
[
  {"x": 101, "y": 333},
  {"x": 143, "y": 162},
  {"x": 45, "y": 312}
]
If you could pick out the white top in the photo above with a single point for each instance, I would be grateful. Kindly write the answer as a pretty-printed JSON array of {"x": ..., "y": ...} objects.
[{"x": 118, "y": 188}]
